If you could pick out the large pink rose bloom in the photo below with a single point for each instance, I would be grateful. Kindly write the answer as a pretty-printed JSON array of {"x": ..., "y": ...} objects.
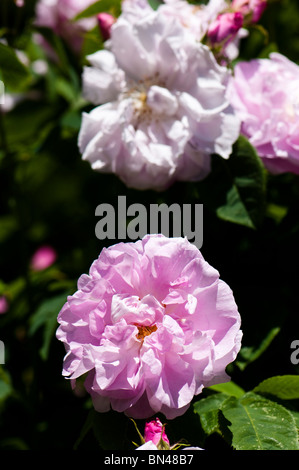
[
  {"x": 264, "y": 93},
  {"x": 58, "y": 15},
  {"x": 151, "y": 325},
  {"x": 164, "y": 107}
]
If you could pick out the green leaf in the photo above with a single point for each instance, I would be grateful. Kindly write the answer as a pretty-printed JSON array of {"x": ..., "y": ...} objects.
[
  {"x": 276, "y": 212},
  {"x": 14, "y": 73},
  {"x": 5, "y": 390},
  {"x": 208, "y": 411},
  {"x": 13, "y": 443},
  {"x": 5, "y": 385},
  {"x": 8, "y": 225},
  {"x": 154, "y": 4},
  {"x": 24, "y": 129},
  {"x": 249, "y": 354},
  {"x": 92, "y": 42},
  {"x": 87, "y": 426},
  {"x": 246, "y": 178},
  {"x": 285, "y": 387},
  {"x": 257, "y": 423},
  {"x": 112, "y": 6},
  {"x": 46, "y": 317},
  {"x": 229, "y": 388}
]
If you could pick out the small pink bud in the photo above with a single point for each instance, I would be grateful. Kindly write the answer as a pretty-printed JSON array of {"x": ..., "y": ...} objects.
[
  {"x": 225, "y": 27},
  {"x": 153, "y": 431},
  {"x": 255, "y": 8},
  {"x": 3, "y": 304},
  {"x": 44, "y": 257},
  {"x": 105, "y": 21}
]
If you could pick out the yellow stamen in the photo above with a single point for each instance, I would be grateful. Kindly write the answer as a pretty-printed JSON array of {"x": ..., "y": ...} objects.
[{"x": 144, "y": 330}]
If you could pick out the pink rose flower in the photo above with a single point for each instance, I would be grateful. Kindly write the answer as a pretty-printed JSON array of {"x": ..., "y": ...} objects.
[
  {"x": 44, "y": 257},
  {"x": 252, "y": 8},
  {"x": 225, "y": 28},
  {"x": 58, "y": 15},
  {"x": 163, "y": 105},
  {"x": 264, "y": 93},
  {"x": 151, "y": 325},
  {"x": 154, "y": 431}
]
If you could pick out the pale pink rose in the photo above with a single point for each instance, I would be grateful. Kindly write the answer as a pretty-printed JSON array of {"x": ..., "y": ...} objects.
[
  {"x": 225, "y": 28},
  {"x": 151, "y": 325},
  {"x": 154, "y": 431},
  {"x": 3, "y": 304},
  {"x": 43, "y": 258},
  {"x": 195, "y": 18},
  {"x": 163, "y": 105},
  {"x": 252, "y": 8},
  {"x": 58, "y": 15},
  {"x": 148, "y": 446},
  {"x": 264, "y": 93},
  {"x": 134, "y": 10},
  {"x": 105, "y": 21}
]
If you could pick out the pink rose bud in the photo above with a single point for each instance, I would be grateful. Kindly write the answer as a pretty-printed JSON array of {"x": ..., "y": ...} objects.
[
  {"x": 225, "y": 27},
  {"x": 44, "y": 257},
  {"x": 105, "y": 21},
  {"x": 153, "y": 431},
  {"x": 250, "y": 7},
  {"x": 3, "y": 304}
]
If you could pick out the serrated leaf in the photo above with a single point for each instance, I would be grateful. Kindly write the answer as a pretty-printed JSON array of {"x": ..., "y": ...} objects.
[
  {"x": 208, "y": 411},
  {"x": 257, "y": 423},
  {"x": 285, "y": 387}
]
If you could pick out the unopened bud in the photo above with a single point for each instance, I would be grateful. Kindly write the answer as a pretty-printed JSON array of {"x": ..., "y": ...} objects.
[
  {"x": 250, "y": 8},
  {"x": 105, "y": 21},
  {"x": 225, "y": 27}
]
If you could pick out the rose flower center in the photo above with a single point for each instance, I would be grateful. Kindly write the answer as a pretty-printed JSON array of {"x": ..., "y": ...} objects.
[{"x": 144, "y": 330}]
